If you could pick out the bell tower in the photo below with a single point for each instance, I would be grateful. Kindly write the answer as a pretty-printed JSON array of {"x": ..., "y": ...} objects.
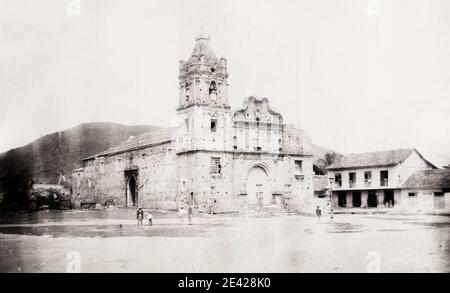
[
  {"x": 203, "y": 77},
  {"x": 203, "y": 112}
]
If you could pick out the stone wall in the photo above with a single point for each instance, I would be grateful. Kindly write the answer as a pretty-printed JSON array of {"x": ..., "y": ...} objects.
[
  {"x": 229, "y": 188},
  {"x": 104, "y": 179}
]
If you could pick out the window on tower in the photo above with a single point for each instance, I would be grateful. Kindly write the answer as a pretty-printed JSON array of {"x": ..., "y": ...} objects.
[
  {"x": 212, "y": 87},
  {"x": 213, "y": 125},
  {"x": 186, "y": 87}
]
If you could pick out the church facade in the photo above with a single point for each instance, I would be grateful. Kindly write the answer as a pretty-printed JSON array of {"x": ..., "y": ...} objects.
[{"x": 216, "y": 159}]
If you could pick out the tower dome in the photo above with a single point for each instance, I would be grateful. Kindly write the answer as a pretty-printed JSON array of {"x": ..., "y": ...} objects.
[{"x": 203, "y": 77}]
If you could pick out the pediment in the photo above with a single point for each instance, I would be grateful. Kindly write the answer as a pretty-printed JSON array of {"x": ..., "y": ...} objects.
[{"x": 257, "y": 109}]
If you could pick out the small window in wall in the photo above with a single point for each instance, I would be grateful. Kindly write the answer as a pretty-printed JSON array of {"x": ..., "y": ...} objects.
[
  {"x": 213, "y": 125},
  {"x": 102, "y": 167},
  {"x": 338, "y": 179},
  {"x": 368, "y": 177},
  {"x": 186, "y": 123},
  {"x": 351, "y": 179},
  {"x": 216, "y": 167},
  {"x": 298, "y": 167},
  {"x": 384, "y": 175},
  {"x": 144, "y": 157}
]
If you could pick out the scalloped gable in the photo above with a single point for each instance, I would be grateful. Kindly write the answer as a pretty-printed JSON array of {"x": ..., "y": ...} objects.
[{"x": 254, "y": 107}]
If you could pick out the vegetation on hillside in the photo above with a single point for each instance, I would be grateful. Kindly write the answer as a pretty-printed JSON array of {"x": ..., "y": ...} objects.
[{"x": 53, "y": 155}]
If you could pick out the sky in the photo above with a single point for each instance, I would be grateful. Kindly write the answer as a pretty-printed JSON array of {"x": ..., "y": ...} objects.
[{"x": 357, "y": 75}]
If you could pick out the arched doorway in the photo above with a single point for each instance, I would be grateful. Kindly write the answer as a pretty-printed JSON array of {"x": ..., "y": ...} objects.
[
  {"x": 131, "y": 192},
  {"x": 258, "y": 186}
]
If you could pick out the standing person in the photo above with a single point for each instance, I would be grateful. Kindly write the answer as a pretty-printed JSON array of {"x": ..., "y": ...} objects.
[
  {"x": 212, "y": 206},
  {"x": 140, "y": 216},
  {"x": 181, "y": 214},
  {"x": 318, "y": 213},
  {"x": 190, "y": 215},
  {"x": 150, "y": 219}
]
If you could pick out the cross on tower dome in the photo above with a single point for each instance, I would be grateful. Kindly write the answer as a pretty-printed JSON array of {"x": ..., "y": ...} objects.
[{"x": 202, "y": 35}]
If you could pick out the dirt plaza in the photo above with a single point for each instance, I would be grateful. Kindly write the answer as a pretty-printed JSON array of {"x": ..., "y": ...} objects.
[{"x": 110, "y": 241}]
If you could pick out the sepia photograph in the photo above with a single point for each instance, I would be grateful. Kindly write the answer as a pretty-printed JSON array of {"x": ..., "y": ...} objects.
[{"x": 224, "y": 136}]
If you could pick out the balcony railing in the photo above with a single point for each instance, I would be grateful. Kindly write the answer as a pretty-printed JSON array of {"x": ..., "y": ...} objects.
[
  {"x": 351, "y": 183},
  {"x": 384, "y": 182}
]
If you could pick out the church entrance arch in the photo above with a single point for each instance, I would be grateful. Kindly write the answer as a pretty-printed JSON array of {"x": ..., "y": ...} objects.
[
  {"x": 131, "y": 189},
  {"x": 258, "y": 185}
]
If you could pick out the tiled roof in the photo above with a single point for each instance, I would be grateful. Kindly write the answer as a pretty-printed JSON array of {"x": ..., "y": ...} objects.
[
  {"x": 429, "y": 179},
  {"x": 135, "y": 142},
  {"x": 372, "y": 159}
]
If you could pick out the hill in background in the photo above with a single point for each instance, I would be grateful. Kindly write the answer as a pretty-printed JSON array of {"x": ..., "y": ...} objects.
[
  {"x": 50, "y": 156},
  {"x": 47, "y": 158}
]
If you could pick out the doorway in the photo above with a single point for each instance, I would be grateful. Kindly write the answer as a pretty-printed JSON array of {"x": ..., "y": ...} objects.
[
  {"x": 131, "y": 192},
  {"x": 356, "y": 199},
  {"x": 342, "y": 199},
  {"x": 258, "y": 187},
  {"x": 388, "y": 200},
  {"x": 372, "y": 200}
]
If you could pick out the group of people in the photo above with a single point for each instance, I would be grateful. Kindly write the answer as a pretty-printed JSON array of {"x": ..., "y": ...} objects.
[
  {"x": 189, "y": 212},
  {"x": 140, "y": 215},
  {"x": 183, "y": 212}
]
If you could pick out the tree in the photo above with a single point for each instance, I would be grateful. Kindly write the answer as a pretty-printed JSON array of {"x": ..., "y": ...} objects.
[
  {"x": 331, "y": 158},
  {"x": 328, "y": 159}
]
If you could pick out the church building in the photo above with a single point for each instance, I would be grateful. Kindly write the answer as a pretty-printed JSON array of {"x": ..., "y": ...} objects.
[{"x": 217, "y": 159}]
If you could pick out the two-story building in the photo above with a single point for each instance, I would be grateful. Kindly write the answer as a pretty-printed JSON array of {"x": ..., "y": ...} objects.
[{"x": 374, "y": 179}]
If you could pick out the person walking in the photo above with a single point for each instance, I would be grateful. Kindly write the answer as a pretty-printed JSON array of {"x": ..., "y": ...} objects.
[
  {"x": 140, "y": 217},
  {"x": 318, "y": 213},
  {"x": 190, "y": 212},
  {"x": 150, "y": 219},
  {"x": 181, "y": 214}
]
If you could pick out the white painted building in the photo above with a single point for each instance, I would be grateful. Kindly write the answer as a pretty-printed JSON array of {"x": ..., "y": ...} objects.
[{"x": 375, "y": 179}]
